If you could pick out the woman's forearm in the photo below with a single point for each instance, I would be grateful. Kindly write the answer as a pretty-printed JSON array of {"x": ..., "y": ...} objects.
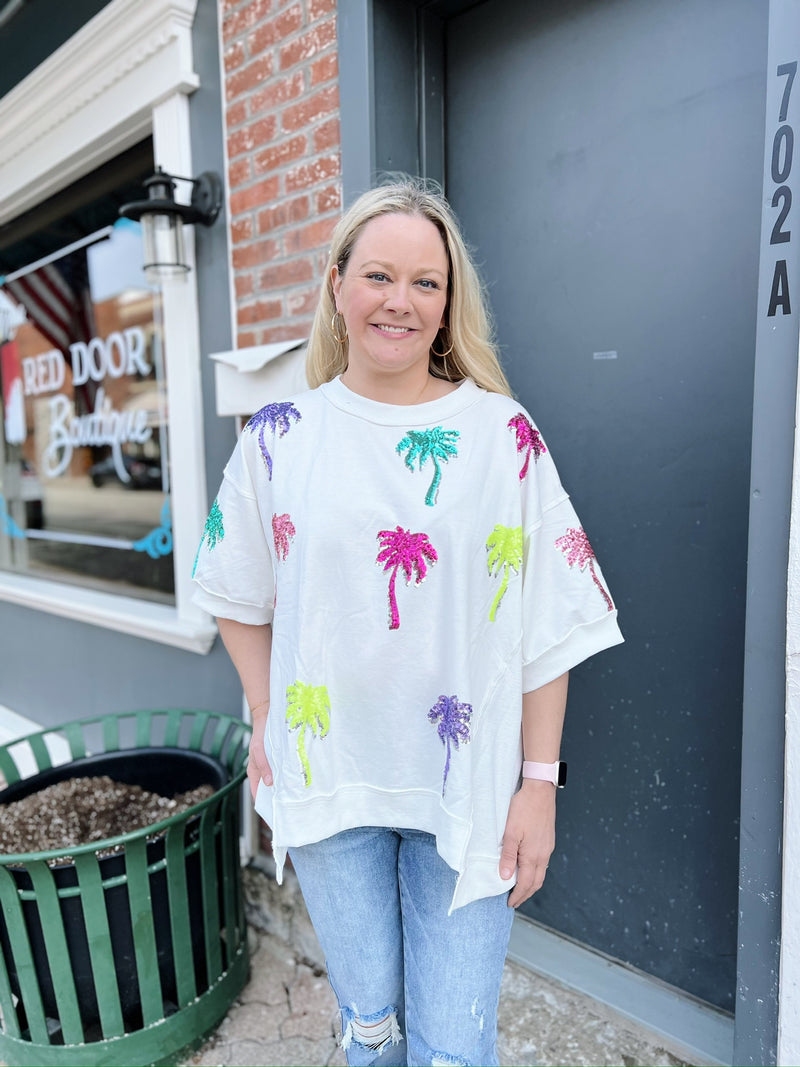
[
  {"x": 249, "y": 648},
  {"x": 543, "y": 720}
]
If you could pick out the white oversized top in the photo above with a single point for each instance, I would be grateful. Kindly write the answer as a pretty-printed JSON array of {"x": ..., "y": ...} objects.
[{"x": 422, "y": 567}]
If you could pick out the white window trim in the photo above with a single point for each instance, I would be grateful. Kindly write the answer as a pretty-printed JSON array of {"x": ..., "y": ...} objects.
[{"x": 124, "y": 75}]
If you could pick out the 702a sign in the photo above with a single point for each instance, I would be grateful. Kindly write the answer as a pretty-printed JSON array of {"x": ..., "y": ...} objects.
[{"x": 781, "y": 169}]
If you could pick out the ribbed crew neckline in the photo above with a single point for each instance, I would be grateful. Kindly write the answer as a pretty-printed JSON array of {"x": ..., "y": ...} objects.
[{"x": 453, "y": 403}]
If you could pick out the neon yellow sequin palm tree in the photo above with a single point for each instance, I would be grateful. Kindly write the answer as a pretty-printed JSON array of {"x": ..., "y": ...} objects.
[
  {"x": 504, "y": 545},
  {"x": 308, "y": 708}
]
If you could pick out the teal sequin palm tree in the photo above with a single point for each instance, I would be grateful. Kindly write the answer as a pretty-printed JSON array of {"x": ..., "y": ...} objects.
[
  {"x": 435, "y": 444},
  {"x": 213, "y": 532}
]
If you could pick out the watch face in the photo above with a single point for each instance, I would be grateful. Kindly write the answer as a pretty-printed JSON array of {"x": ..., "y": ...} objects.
[{"x": 562, "y": 775}]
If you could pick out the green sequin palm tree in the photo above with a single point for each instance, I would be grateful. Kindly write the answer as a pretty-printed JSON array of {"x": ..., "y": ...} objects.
[
  {"x": 433, "y": 444},
  {"x": 504, "y": 545},
  {"x": 308, "y": 708}
]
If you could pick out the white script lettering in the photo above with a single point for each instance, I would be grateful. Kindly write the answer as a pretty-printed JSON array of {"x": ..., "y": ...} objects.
[{"x": 104, "y": 426}]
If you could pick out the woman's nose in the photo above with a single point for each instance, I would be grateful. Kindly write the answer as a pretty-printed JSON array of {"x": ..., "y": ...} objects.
[{"x": 398, "y": 298}]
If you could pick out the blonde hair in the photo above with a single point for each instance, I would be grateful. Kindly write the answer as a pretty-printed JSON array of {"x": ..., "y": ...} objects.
[{"x": 468, "y": 327}]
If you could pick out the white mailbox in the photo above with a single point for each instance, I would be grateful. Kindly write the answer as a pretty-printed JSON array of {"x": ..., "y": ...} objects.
[{"x": 249, "y": 378}]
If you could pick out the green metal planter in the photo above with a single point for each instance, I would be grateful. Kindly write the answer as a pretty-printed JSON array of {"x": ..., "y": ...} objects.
[{"x": 125, "y": 959}]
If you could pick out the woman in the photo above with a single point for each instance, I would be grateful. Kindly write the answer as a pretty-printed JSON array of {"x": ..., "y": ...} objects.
[{"x": 402, "y": 585}]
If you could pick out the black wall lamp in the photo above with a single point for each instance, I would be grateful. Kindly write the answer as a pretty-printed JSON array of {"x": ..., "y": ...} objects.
[{"x": 162, "y": 219}]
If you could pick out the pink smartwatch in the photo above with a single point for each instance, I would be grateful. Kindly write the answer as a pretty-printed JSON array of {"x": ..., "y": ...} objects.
[{"x": 546, "y": 772}]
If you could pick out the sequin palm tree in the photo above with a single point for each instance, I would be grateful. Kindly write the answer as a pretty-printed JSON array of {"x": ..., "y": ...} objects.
[
  {"x": 433, "y": 444},
  {"x": 410, "y": 551},
  {"x": 578, "y": 552},
  {"x": 504, "y": 545},
  {"x": 213, "y": 532},
  {"x": 453, "y": 718},
  {"x": 529, "y": 440},
  {"x": 278, "y": 418},
  {"x": 283, "y": 532},
  {"x": 308, "y": 707}
]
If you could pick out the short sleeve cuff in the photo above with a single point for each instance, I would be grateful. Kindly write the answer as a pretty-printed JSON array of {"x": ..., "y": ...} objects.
[
  {"x": 222, "y": 608},
  {"x": 583, "y": 642}
]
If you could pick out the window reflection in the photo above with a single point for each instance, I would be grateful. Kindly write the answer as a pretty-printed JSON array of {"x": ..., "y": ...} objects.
[{"x": 84, "y": 483}]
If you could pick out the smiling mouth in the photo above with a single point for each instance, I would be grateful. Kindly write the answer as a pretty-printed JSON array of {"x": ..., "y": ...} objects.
[{"x": 392, "y": 330}]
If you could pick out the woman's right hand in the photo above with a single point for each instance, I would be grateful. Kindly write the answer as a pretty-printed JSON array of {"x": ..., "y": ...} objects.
[{"x": 258, "y": 768}]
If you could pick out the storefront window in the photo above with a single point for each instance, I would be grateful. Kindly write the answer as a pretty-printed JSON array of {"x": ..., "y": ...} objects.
[{"x": 84, "y": 477}]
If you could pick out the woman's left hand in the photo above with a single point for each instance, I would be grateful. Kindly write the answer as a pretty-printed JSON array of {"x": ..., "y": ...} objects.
[{"x": 529, "y": 838}]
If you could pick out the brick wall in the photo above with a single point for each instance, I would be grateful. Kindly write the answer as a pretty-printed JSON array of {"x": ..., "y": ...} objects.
[{"x": 284, "y": 167}]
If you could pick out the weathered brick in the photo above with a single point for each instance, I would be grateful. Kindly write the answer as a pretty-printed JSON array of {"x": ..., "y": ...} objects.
[
  {"x": 318, "y": 8},
  {"x": 248, "y": 314},
  {"x": 252, "y": 136},
  {"x": 322, "y": 70},
  {"x": 244, "y": 285},
  {"x": 278, "y": 91},
  {"x": 236, "y": 114},
  {"x": 283, "y": 213},
  {"x": 304, "y": 112},
  {"x": 277, "y": 29},
  {"x": 253, "y": 255},
  {"x": 254, "y": 196},
  {"x": 303, "y": 302},
  {"x": 308, "y": 45},
  {"x": 246, "y": 339},
  {"x": 237, "y": 22},
  {"x": 327, "y": 199},
  {"x": 282, "y": 274},
  {"x": 306, "y": 174},
  {"x": 327, "y": 136},
  {"x": 248, "y": 77},
  {"x": 241, "y": 229},
  {"x": 285, "y": 332},
  {"x": 303, "y": 238},
  {"x": 279, "y": 155},
  {"x": 234, "y": 56},
  {"x": 239, "y": 173}
]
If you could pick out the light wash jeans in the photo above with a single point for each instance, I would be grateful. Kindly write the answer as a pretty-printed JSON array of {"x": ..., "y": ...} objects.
[{"x": 414, "y": 985}]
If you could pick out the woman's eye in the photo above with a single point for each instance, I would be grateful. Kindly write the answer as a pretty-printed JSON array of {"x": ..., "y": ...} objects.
[
  {"x": 377, "y": 277},
  {"x": 428, "y": 283}
]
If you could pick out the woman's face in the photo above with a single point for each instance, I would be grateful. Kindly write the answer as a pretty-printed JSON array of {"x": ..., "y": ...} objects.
[{"x": 392, "y": 295}]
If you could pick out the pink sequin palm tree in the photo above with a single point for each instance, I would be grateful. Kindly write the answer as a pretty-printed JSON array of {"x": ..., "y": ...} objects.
[
  {"x": 529, "y": 440},
  {"x": 282, "y": 533},
  {"x": 577, "y": 550},
  {"x": 401, "y": 548}
]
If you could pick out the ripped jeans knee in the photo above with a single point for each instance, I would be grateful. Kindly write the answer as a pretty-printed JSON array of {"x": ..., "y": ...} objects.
[{"x": 373, "y": 1032}]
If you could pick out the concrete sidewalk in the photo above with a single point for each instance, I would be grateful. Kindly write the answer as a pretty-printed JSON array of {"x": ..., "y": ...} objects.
[{"x": 287, "y": 1013}]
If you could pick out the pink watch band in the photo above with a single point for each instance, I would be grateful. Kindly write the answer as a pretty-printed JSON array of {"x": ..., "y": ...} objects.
[{"x": 546, "y": 772}]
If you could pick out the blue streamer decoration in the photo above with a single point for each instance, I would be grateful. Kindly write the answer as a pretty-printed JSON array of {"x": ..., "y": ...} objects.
[
  {"x": 9, "y": 527},
  {"x": 159, "y": 541}
]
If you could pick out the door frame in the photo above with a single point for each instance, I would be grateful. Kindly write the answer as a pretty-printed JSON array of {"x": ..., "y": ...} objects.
[{"x": 774, "y": 399}]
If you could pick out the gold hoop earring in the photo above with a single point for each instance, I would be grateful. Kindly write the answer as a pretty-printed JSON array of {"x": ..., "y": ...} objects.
[
  {"x": 338, "y": 328},
  {"x": 443, "y": 355}
]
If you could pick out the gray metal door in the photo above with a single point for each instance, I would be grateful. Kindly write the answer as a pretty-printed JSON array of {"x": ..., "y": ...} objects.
[{"x": 605, "y": 159}]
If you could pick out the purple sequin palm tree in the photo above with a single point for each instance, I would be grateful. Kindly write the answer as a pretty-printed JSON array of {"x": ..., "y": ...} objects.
[
  {"x": 453, "y": 729},
  {"x": 577, "y": 550},
  {"x": 401, "y": 548},
  {"x": 278, "y": 417},
  {"x": 529, "y": 440}
]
